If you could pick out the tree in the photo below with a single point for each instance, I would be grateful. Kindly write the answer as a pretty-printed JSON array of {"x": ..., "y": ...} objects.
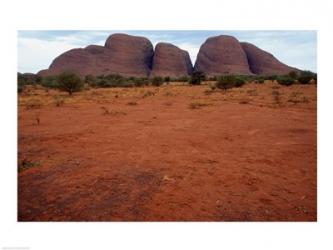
[
  {"x": 225, "y": 82},
  {"x": 70, "y": 82},
  {"x": 197, "y": 77}
]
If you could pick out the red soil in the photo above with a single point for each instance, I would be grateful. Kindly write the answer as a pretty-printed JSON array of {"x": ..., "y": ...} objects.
[{"x": 221, "y": 158}]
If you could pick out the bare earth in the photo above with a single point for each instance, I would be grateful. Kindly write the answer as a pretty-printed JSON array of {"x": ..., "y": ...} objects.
[{"x": 170, "y": 153}]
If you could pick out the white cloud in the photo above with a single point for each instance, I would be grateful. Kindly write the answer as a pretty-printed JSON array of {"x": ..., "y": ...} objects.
[{"x": 35, "y": 54}]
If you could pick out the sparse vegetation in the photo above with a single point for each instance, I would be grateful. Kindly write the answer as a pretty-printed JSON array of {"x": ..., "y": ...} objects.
[
  {"x": 276, "y": 97},
  {"x": 285, "y": 80},
  {"x": 252, "y": 92},
  {"x": 293, "y": 74},
  {"x": 229, "y": 81},
  {"x": 157, "y": 81},
  {"x": 297, "y": 97},
  {"x": 91, "y": 80},
  {"x": 33, "y": 103},
  {"x": 49, "y": 82},
  {"x": 196, "y": 105},
  {"x": 26, "y": 164},
  {"x": 58, "y": 100},
  {"x": 167, "y": 79},
  {"x": 306, "y": 76},
  {"x": 148, "y": 93}
]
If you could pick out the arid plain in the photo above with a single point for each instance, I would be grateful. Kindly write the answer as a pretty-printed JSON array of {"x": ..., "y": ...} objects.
[{"x": 168, "y": 153}]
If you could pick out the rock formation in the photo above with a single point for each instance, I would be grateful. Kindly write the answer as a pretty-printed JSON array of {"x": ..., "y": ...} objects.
[
  {"x": 169, "y": 60},
  {"x": 264, "y": 63},
  {"x": 122, "y": 54},
  {"x": 128, "y": 55},
  {"x": 222, "y": 55}
]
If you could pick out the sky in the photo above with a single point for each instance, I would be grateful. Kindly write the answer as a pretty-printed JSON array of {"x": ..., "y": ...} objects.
[{"x": 37, "y": 49}]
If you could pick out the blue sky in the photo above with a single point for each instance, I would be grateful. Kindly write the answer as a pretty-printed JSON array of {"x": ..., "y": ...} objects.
[{"x": 37, "y": 49}]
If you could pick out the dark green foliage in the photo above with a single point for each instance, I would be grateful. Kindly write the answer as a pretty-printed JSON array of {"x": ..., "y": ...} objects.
[
  {"x": 239, "y": 81},
  {"x": 260, "y": 79},
  {"x": 306, "y": 76},
  {"x": 212, "y": 78},
  {"x": 182, "y": 79},
  {"x": 50, "y": 82},
  {"x": 91, "y": 80},
  {"x": 70, "y": 82},
  {"x": 26, "y": 164},
  {"x": 271, "y": 77},
  {"x": 197, "y": 77},
  {"x": 113, "y": 80},
  {"x": 167, "y": 79},
  {"x": 285, "y": 80},
  {"x": 229, "y": 81},
  {"x": 27, "y": 79},
  {"x": 139, "y": 82},
  {"x": 225, "y": 82},
  {"x": 157, "y": 81},
  {"x": 293, "y": 74}
]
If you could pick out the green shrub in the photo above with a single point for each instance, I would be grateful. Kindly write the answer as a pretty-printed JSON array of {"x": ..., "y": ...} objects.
[
  {"x": 139, "y": 82},
  {"x": 260, "y": 80},
  {"x": 28, "y": 78},
  {"x": 114, "y": 80},
  {"x": 225, "y": 82},
  {"x": 293, "y": 74},
  {"x": 91, "y": 80},
  {"x": 239, "y": 81},
  {"x": 50, "y": 82},
  {"x": 271, "y": 77},
  {"x": 181, "y": 79},
  {"x": 285, "y": 80},
  {"x": 69, "y": 82},
  {"x": 306, "y": 76},
  {"x": 167, "y": 79},
  {"x": 157, "y": 81},
  {"x": 229, "y": 81},
  {"x": 197, "y": 77}
]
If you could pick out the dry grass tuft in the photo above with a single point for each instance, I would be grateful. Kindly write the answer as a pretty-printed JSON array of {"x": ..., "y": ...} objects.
[{"x": 197, "y": 105}]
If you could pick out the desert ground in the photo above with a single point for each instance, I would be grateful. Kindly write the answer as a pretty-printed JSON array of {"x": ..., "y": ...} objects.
[{"x": 169, "y": 153}]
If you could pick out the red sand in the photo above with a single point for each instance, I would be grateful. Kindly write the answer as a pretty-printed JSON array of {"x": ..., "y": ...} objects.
[{"x": 229, "y": 159}]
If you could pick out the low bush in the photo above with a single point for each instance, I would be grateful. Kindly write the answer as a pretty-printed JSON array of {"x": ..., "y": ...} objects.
[
  {"x": 181, "y": 79},
  {"x": 225, "y": 82},
  {"x": 293, "y": 74},
  {"x": 167, "y": 79},
  {"x": 229, "y": 81},
  {"x": 139, "y": 82},
  {"x": 271, "y": 77},
  {"x": 91, "y": 80},
  {"x": 305, "y": 77},
  {"x": 50, "y": 82},
  {"x": 285, "y": 80},
  {"x": 157, "y": 81},
  {"x": 239, "y": 81}
]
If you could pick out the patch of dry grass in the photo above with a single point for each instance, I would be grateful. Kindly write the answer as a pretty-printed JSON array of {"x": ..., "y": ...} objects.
[{"x": 197, "y": 105}]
